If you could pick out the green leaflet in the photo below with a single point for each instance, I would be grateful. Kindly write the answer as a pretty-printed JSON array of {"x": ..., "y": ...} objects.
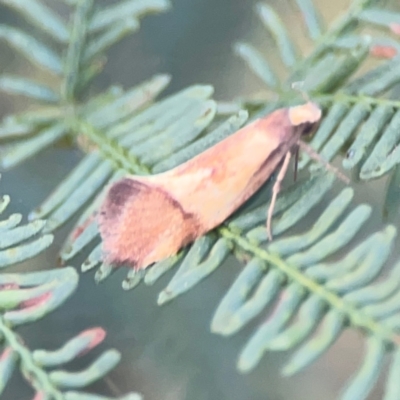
[
  {"x": 210, "y": 138},
  {"x": 333, "y": 69},
  {"x": 331, "y": 327},
  {"x": 320, "y": 227},
  {"x": 162, "y": 267},
  {"x": 309, "y": 314},
  {"x": 257, "y": 63},
  {"x": 11, "y": 222},
  {"x": 28, "y": 297},
  {"x": 251, "y": 354},
  {"x": 94, "y": 258},
  {"x": 392, "y": 388},
  {"x": 69, "y": 184},
  {"x": 24, "y": 124},
  {"x": 129, "y": 8},
  {"x": 368, "y": 374},
  {"x": 20, "y": 86},
  {"x": 379, "y": 17},
  {"x": 16, "y": 235},
  {"x": 392, "y": 195},
  {"x": 366, "y": 135},
  {"x": 100, "y": 367},
  {"x": 194, "y": 268},
  {"x": 125, "y": 105},
  {"x": 313, "y": 20},
  {"x": 15, "y": 154},
  {"x": 186, "y": 129},
  {"x": 377, "y": 162},
  {"x": 273, "y": 23},
  {"x": 14, "y": 247},
  {"x": 85, "y": 230},
  {"x": 111, "y": 36},
  {"x": 234, "y": 310},
  {"x": 104, "y": 271},
  {"x": 32, "y": 49},
  {"x": 41, "y": 16},
  {"x": 77, "y": 41}
]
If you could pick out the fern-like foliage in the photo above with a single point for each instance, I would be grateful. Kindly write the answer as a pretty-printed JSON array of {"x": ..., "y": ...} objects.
[
  {"x": 313, "y": 298},
  {"x": 91, "y": 31},
  {"x": 28, "y": 297},
  {"x": 360, "y": 115}
]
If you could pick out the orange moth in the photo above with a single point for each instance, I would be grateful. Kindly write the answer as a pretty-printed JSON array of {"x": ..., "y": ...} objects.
[{"x": 144, "y": 219}]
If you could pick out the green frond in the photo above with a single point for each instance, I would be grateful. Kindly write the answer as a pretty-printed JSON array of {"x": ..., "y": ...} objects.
[
  {"x": 355, "y": 115},
  {"x": 312, "y": 300},
  {"x": 43, "y": 369},
  {"x": 317, "y": 282},
  {"x": 28, "y": 297},
  {"x": 92, "y": 30},
  {"x": 360, "y": 115}
]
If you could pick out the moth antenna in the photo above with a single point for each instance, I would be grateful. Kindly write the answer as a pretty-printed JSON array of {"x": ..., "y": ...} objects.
[
  {"x": 275, "y": 190},
  {"x": 315, "y": 156}
]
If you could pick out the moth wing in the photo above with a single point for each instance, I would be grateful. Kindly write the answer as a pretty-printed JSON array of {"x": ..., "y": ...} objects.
[{"x": 140, "y": 223}]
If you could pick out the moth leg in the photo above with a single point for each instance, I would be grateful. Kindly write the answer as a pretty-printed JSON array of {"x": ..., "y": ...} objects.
[
  {"x": 296, "y": 161},
  {"x": 315, "y": 156},
  {"x": 275, "y": 190}
]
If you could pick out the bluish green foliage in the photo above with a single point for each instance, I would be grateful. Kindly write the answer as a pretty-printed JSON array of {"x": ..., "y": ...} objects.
[
  {"x": 313, "y": 298},
  {"x": 28, "y": 297}
]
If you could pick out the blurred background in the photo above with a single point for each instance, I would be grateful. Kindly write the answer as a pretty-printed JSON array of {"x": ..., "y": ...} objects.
[{"x": 168, "y": 352}]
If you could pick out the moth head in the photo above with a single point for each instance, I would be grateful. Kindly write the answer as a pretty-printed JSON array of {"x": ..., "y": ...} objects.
[{"x": 305, "y": 117}]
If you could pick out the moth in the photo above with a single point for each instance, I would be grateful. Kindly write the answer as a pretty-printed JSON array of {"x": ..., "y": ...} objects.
[{"x": 144, "y": 219}]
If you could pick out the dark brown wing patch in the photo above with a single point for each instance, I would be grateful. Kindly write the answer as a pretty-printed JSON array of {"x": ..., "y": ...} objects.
[
  {"x": 119, "y": 193},
  {"x": 141, "y": 224}
]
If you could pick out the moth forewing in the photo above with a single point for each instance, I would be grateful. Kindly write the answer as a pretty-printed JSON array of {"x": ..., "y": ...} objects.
[{"x": 146, "y": 219}]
